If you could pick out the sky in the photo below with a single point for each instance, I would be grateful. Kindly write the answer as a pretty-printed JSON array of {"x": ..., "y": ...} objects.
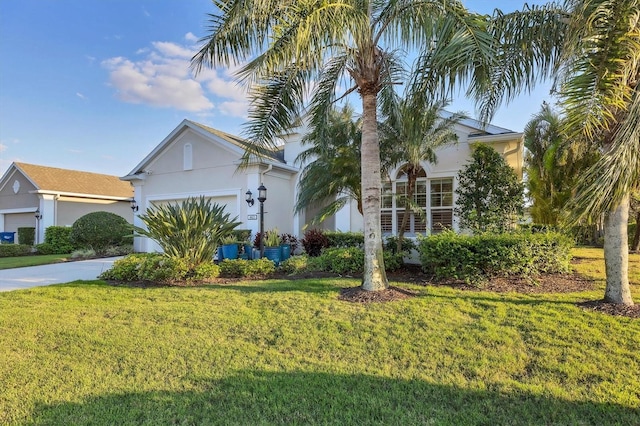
[{"x": 95, "y": 85}]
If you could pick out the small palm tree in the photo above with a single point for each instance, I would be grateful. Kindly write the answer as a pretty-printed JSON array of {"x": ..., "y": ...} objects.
[{"x": 415, "y": 130}]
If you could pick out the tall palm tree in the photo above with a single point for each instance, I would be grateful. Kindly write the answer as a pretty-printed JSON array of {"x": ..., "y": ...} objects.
[
  {"x": 292, "y": 45},
  {"x": 416, "y": 129},
  {"x": 598, "y": 87}
]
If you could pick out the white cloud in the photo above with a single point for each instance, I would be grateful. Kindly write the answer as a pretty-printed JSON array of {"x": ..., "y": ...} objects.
[
  {"x": 3, "y": 147},
  {"x": 81, "y": 96},
  {"x": 162, "y": 77},
  {"x": 190, "y": 37}
]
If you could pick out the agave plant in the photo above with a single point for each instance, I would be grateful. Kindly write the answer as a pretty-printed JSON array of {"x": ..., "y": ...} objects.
[{"x": 189, "y": 230}]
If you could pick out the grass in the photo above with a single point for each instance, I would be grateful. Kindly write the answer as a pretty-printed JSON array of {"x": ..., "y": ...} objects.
[
  {"x": 282, "y": 352},
  {"x": 21, "y": 261}
]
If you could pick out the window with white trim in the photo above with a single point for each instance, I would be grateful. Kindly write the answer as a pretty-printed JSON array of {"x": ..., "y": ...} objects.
[
  {"x": 187, "y": 156},
  {"x": 433, "y": 196}
]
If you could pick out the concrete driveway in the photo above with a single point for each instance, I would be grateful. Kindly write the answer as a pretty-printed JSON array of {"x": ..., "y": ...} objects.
[{"x": 57, "y": 273}]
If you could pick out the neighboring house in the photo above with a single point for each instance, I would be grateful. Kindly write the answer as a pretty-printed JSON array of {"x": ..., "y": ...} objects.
[
  {"x": 59, "y": 196},
  {"x": 196, "y": 160}
]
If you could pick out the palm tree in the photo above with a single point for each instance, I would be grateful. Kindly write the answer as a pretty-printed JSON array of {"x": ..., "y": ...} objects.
[
  {"x": 416, "y": 130},
  {"x": 554, "y": 163},
  {"x": 598, "y": 87},
  {"x": 292, "y": 45},
  {"x": 332, "y": 170}
]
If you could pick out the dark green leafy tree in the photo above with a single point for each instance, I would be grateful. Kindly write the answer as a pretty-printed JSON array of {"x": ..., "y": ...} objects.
[
  {"x": 190, "y": 230},
  {"x": 490, "y": 196}
]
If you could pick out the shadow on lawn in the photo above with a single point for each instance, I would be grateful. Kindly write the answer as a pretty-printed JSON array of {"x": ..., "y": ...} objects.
[{"x": 319, "y": 398}]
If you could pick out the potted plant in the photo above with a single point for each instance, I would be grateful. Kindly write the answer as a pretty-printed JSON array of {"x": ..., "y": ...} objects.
[
  {"x": 229, "y": 247},
  {"x": 288, "y": 244},
  {"x": 272, "y": 250}
]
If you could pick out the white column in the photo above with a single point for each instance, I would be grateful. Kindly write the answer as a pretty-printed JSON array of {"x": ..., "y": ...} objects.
[
  {"x": 1, "y": 222},
  {"x": 48, "y": 211},
  {"x": 138, "y": 242}
]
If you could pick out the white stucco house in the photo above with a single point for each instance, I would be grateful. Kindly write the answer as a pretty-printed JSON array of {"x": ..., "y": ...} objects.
[{"x": 195, "y": 160}]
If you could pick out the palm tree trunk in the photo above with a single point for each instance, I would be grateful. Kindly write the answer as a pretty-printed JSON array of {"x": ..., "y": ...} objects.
[
  {"x": 616, "y": 254},
  {"x": 375, "y": 276},
  {"x": 411, "y": 181},
  {"x": 636, "y": 238}
]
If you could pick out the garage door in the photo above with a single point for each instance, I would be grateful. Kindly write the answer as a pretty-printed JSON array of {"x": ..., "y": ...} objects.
[{"x": 13, "y": 221}]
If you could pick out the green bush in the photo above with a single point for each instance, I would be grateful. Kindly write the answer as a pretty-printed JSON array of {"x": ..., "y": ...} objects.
[
  {"x": 44, "y": 248},
  {"x": 450, "y": 255},
  {"x": 345, "y": 239},
  {"x": 391, "y": 245},
  {"x": 99, "y": 230},
  {"x": 11, "y": 250},
  {"x": 59, "y": 237},
  {"x": 205, "y": 271},
  {"x": 154, "y": 267},
  {"x": 299, "y": 264},
  {"x": 26, "y": 235},
  {"x": 348, "y": 260},
  {"x": 241, "y": 268}
]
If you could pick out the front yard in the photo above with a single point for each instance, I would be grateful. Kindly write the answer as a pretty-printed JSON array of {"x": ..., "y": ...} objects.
[{"x": 287, "y": 352}]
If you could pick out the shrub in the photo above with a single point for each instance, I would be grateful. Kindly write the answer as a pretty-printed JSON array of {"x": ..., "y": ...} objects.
[
  {"x": 126, "y": 269},
  {"x": 190, "y": 230},
  {"x": 299, "y": 264},
  {"x": 26, "y": 235},
  {"x": 345, "y": 239},
  {"x": 205, "y": 271},
  {"x": 99, "y": 230},
  {"x": 45, "y": 248},
  {"x": 60, "y": 239},
  {"x": 241, "y": 268},
  {"x": 11, "y": 250},
  {"x": 342, "y": 260},
  {"x": 83, "y": 254},
  {"x": 118, "y": 250},
  {"x": 450, "y": 255},
  {"x": 391, "y": 245},
  {"x": 314, "y": 241}
]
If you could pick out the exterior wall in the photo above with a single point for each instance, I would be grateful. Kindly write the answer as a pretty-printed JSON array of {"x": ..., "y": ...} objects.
[
  {"x": 23, "y": 198},
  {"x": 70, "y": 209}
]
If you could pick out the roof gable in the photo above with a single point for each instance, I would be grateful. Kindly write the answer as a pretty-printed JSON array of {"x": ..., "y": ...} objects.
[{"x": 53, "y": 179}]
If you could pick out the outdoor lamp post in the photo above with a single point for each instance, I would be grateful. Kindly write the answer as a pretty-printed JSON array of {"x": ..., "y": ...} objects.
[
  {"x": 38, "y": 216},
  {"x": 262, "y": 197}
]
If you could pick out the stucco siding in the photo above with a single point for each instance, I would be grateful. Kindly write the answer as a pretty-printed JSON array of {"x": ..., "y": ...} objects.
[
  {"x": 68, "y": 210},
  {"x": 22, "y": 199},
  {"x": 13, "y": 221}
]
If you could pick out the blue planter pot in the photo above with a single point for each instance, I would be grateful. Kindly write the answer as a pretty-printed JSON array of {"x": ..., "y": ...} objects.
[
  {"x": 230, "y": 251},
  {"x": 273, "y": 254},
  {"x": 248, "y": 249},
  {"x": 286, "y": 251}
]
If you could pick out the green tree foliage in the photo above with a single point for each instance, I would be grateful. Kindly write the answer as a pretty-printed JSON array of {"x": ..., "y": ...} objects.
[
  {"x": 190, "y": 230},
  {"x": 553, "y": 164},
  {"x": 99, "y": 230},
  {"x": 490, "y": 196},
  {"x": 331, "y": 176}
]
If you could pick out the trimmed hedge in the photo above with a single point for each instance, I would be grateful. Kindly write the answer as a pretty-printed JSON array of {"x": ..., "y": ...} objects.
[
  {"x": 453, "y": 256},
  {"x": 345, "y": 239},
  {"x": 59, "y": 237},
  {"x": 11, "y": 250},
  {"x": 99, "y": 230},
  {"x": 27, "y": 235}
]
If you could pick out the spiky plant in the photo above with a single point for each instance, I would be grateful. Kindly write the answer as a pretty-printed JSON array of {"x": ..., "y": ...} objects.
[{"x": 190, "y": 230}]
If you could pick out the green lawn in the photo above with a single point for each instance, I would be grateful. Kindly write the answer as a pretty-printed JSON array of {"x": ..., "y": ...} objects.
[
  {"x": 282, "y": 352},
  {"x": 21, "y": 261}
]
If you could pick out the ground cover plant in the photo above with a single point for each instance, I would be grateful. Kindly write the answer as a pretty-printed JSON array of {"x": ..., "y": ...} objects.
[{"x": 289, "y": 351}]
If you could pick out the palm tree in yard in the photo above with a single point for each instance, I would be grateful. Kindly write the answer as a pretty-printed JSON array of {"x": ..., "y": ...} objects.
[
  {"x": 598, "y": 87},
  {"x": 358, "y": 46},
  {"x": 416, "y": 129},
  {"x": 331, "y": 175}
]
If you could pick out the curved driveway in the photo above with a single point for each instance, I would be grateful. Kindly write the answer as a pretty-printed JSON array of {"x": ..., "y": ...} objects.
[{"x": 57, "y": 273}]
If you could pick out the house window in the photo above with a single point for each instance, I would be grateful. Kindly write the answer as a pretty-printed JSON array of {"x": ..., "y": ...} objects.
[
  {"x": 187, "y": 154},
  {"x": 441, "y": 204},
  {"x": 434, "y": 198}
]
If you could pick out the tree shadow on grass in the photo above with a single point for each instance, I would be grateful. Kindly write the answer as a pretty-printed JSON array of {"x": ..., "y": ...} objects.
[{"x": 255, "y": 397}]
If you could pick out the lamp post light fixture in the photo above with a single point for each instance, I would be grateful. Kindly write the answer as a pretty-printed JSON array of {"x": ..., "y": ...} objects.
[
  {"x": 262, "y": 197},
  {"x": 249, "y": 198},
  {"x": 38, "y": 216},
  {"x": 134, "y": 205}
]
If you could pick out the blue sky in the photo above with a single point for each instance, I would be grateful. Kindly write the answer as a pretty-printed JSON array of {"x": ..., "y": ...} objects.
[{"x": 95, "y": 85}]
